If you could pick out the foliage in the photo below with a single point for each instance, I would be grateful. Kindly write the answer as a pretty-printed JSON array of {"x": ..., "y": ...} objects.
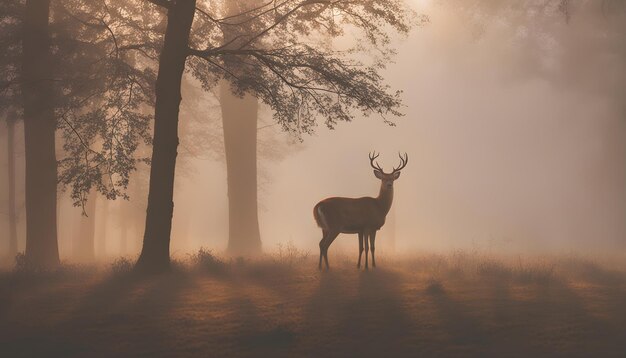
[
  {"x": 102, "y": 117},
  {"x": 279, "y": 51},
  {"x": 104, "y": 56},
  {"x": 103, "y": 77},
  {"x": 10, "y": 14}
]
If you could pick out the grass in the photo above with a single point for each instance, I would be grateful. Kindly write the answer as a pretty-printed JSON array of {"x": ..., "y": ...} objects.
[{"x": 457, "y": 304}]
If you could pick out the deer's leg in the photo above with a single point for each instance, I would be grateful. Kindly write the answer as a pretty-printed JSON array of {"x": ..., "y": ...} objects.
[
  {"x": 360, "y": 249},
  {"x": 329, "y": 240},
  {"x": 322, "y": 245},
  {"x": 367, "y": 248},
  {"x": 373, "y": 248}
]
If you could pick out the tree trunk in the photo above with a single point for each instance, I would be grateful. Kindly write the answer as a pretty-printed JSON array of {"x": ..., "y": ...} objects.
[
  {"x": 39, "y": 130},
  {"x": 155, "y": 254},
  {"x": 239, "y": 116},
  {"x": 124, "y": 228},
  {"x": 11, "y": 174},
  {"x": 84, "y": 248},
  {"x": 101, "y": 241}
]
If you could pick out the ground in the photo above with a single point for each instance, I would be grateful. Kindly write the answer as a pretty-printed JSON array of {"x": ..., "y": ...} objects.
[{"x": 432, "y": 305}]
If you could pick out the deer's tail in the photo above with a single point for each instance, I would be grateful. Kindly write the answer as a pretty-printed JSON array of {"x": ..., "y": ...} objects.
[{"x": 319, "y": 215}]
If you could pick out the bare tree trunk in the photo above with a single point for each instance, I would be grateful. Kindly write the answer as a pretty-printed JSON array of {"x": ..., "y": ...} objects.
[
  {"x": 155, "y": 254},
  {"x": 124, "y": 228},
  {"x": 11, "y": 174},
  {"x": 39, "y": 138},
  {"x": 84, "y": 243},
  {"x": 239, "y": 116},
  {"x": 103, "y": 218},
  {"x": 123, "y": 215}
]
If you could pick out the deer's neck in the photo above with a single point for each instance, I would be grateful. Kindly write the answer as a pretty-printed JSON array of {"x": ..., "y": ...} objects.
[{"x": 385, "y": 198}]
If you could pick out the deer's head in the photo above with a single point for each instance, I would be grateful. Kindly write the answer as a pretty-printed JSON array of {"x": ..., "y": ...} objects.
[{"x": 387, "y": 179}]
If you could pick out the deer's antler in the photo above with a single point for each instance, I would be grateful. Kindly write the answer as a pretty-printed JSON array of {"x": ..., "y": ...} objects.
[
  {"x": 373, "y": 156},
  {"x": 403, "y": 162}
]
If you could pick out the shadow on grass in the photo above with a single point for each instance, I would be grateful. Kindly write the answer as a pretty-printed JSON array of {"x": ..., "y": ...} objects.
[
  {"x": 503, "y": 314},
  {"x": 121, "y": 313},
  {"x": 356, "y": 313}
]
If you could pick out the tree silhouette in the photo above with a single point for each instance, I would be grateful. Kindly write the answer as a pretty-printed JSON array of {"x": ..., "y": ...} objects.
[{"x": 39, "y": 130}]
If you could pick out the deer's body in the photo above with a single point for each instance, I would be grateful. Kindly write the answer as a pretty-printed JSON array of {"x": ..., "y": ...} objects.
[
  {"x": 352, "y": 215},
  {"x": 363, "y": 216}
]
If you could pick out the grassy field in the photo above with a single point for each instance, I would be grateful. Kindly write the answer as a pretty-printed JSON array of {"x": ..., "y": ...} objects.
[{"x": 460, "y": 304}]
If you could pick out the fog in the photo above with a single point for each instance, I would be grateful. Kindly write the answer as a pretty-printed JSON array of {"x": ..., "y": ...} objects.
[
  {"x": 169, "y": 174},
  {"x": 514, "y": 126},
  {"x": 504, "y": 152}
]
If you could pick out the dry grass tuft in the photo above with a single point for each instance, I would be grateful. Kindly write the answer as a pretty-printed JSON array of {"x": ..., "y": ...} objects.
[{"x": 206, "y": 261}]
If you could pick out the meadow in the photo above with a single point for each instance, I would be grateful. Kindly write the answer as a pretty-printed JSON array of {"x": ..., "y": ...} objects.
[{"x": 456, "y": 304}]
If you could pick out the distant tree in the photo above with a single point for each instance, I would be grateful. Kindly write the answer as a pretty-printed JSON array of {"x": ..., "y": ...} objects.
[
  {"x": 11, "y": 187},
  {"x": 99, "y": 240},
  {"x": 240, "y": 121},
  {"x": 203, "y": 135},
  {"x": 83, "y": 244},
  {"x": 9, "y": 105},
  {"x": 239, "y": 118}
]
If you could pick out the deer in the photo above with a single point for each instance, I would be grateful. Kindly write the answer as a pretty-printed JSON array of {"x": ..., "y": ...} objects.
[{"x": 363, "y": 216}]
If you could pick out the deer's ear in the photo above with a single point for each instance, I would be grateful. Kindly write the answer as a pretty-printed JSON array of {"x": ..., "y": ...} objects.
[
  {"x": 378, "y": 174},
  {"x": 396, "y": 175}
]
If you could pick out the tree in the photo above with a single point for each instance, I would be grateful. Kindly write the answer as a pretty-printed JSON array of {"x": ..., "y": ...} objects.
[
  {"x": 12, "y": 214},
  {"x": 87, "y": 88},
  {"x": 39, "y": 130},
  {"x": 155, "y": 252},
  {"x": 9, "y": 107},
  {"x": 84, "y": 247},
  {"x": 203, "y": 134},
  {"x": 296, "y": 80},
  {"x": 239, "y": 118},
  {"x": 102, "y": 223}
]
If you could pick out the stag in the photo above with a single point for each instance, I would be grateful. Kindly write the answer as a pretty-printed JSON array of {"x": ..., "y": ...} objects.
[{"x": 362, "y": 216}]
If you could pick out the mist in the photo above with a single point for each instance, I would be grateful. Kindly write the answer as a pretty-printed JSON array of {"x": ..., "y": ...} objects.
[
  {"x": 292, "y": 178},
  {"x": 515, "y": 130},
  {"x": 507, "y": 151}
]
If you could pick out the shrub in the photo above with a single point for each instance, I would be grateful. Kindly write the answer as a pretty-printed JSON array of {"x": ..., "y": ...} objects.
[
  {"x": 21, "y": 264},
  {"x": 289, "y": 254},
  {"x": 494, "y": 269},
  {"x": 434, "y": 287},
  {"x": 121, "y": 265},
  {"x": 540, "y": 272},
  {"x": 205, "y": 260}
]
